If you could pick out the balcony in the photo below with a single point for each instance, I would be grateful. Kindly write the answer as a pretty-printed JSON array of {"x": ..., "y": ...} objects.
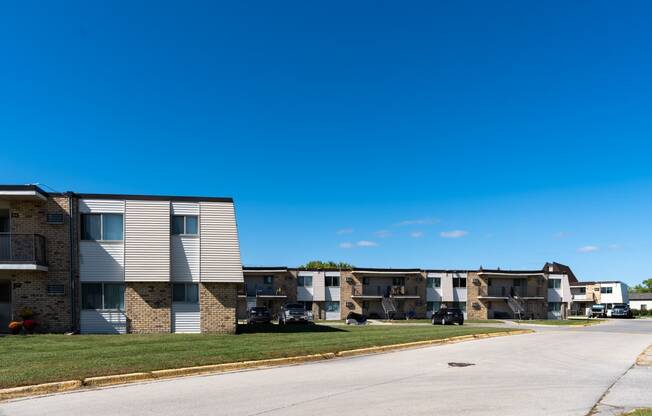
[
  {"x": 380, "y": 291},
  {"x": 22, "y": 252},
  {"x": 504, "y": 292},
  {"x": 263, "y": 292}
]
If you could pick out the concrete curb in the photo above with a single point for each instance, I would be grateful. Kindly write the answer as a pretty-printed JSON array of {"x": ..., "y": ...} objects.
[
  {"x": 112, "y": 380},
  {"x": 37, "y": 389},
  {"x": 645, "y": 358}
]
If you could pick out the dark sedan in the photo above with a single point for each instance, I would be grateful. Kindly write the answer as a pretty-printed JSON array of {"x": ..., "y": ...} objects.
[
  {"x": 259, "y": 315},
  {"x": 448, "y": 316}
]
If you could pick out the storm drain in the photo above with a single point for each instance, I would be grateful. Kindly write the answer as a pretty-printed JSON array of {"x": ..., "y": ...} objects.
[{"x": 460, "y": 364}]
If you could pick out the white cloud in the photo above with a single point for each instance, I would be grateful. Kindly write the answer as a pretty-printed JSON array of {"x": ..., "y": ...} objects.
[
  {"x": 588, "y": 249},
  {"x": 366, "y": 243},
  {"x": 453, "y": 233},
  {"x": 382, "y": 233},
  {"x": 417, "y": 234},
  {"x": 345, "y": 231},
  {"x": 421, "y": 221},
  {"x": 561, "y": 234},
  {"x": 346, "y": 245}
]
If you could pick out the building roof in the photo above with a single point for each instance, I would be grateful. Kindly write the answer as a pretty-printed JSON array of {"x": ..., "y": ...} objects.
[
  {"x": 23, "y": 191},
  {"x": 264, "y": 269},
  {"x": 560, "y": 268},
  {"x": 640, "y": 296},
  {"x": 156, "y": 197}
]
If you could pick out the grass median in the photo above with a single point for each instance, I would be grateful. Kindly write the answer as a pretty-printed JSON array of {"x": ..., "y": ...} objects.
[{"x": 34, "y": 359}]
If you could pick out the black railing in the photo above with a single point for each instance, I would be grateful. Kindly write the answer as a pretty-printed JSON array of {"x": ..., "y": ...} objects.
[
  {"x": 384, "y": 290},
  {"x": 22, "y": 248},
  {"x": 509, "y": 291}
]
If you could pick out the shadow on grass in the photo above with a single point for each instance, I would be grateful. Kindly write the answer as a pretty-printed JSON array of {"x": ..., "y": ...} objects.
[{"x": 285, "y": 329}]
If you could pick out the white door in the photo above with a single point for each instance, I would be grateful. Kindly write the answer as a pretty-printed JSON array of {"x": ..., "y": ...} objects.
[
  {"x": 5, "y": 305},
  {"x": 332, "y": 311}
]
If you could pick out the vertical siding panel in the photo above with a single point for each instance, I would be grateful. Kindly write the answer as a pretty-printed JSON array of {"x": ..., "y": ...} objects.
[
  {"x": 220, "y": 249},
  {"x": 147, "y": 241}
]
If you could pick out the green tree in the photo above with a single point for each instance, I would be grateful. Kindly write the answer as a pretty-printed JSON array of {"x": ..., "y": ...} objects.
[
  {"x": 645, "y": 287},
  {"x": 326, "y": 265}
]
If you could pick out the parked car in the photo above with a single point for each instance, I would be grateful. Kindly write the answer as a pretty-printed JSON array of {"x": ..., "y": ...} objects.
[
  {"x": 621, "y": 311},
  {"x": 599, "y": 310},
  {"x": 448, "y": 316},
  {"x": 259, "y": 315},
  {"x": 293, "y": 312},
  {"x": 355, "y": 319}
]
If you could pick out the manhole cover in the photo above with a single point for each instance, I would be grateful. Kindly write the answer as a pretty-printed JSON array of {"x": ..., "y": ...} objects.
[{"x": 460, "y": 364}]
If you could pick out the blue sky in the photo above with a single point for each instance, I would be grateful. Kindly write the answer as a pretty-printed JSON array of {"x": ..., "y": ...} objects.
[{"x": 427, "y": 134}]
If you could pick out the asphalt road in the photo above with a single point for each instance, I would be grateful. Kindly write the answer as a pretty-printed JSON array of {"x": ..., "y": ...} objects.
[{"x": 557, "y": 371}]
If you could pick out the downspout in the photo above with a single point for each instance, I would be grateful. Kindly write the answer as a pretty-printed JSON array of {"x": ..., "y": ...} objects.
[{"x": 73, "y": 289}]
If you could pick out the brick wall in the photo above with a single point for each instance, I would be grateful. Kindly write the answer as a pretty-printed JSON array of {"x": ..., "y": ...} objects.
[
  {"x": 218, "y": 307},
  {"x": 147, "y": 307},
  {"x": 475, "y": 309},
  {"x": 347, "y": 304},
  {"x": 53, "y": 312}
]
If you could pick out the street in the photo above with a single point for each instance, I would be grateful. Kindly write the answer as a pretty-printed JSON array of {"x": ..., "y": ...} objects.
[{"x": 556, "y": 371}]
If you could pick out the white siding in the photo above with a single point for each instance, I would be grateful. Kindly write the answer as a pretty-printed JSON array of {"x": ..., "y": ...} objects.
[
  {"x": 318, "y": 286},
  {"x": 332, "y": 293},
  {"x": 147, "y": 241},
  {"x": 185, "y": 208},
  {"x": 459, "y": 294},
  {"x": 101, "y": 261},
  {"x": 186, "y": 318},
  {"x": 185, "y": 259},
  {"x": 220, "y": 250},
  {"x": 447, "y": 288},
  {"x": 103, "y": 322},
  {"x": 305, "y": 293},
  {"x": 87, "y": 206}
]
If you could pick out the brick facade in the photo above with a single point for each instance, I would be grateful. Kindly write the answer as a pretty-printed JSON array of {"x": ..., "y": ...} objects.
[
  {"x": 218, "y": 302},
  {"x": 148, "y": 307},
  {"x": 29, "y": 288}
]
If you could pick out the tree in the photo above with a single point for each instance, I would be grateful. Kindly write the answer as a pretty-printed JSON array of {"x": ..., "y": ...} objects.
[
  {"x": 326, "y": 265},
  {"x": 645, "y": 287}
]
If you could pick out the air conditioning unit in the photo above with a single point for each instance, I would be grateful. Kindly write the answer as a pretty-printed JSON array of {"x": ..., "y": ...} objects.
[
  {"x": 350, "y": 305},
  {"x": 476, "y": 281},
  {"x": 475, "y": 305},
  {"x": 349, "y": 280}
]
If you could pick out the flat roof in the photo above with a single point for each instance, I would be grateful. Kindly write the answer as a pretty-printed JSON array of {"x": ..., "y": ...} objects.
[
  {"x": 596, "y": 282},
  {"x": 640, "y": 296},
  {"x": 156, "y": 197},
  {"x": 23, "y": 192},
  {"x": 263, "y": 269}
]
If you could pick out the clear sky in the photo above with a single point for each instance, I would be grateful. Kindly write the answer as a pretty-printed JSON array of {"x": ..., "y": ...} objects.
[{"x": 435, "y": 134}]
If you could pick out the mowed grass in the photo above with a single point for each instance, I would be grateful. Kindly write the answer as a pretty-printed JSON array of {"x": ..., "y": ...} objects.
[
  {"x": 639, "y": 412},
  {"x": 37, "y": 359},
  {"x": 561, "y": 322},
  {"x": 428, "y": 321}
]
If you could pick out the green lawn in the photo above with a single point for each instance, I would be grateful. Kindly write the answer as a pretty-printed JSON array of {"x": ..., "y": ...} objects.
[
  {"x": 36, "y": 359},
  {"x": 468, "y": 321},
  {"x": 560, "y": 322},
  {"x": 640, "y": 412}
]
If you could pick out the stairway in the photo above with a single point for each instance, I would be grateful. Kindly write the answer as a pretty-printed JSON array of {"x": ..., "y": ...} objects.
[
  {"x": 388, "y": 307},
  {"x": 516, "y": 306}
]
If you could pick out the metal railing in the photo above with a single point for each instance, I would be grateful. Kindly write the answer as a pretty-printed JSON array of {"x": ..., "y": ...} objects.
[
  {"x": 23, "y": 248},
  {"x": 384, "y": 290},
  {"x": 509, "y": 291},
  {"x": 258, "y": 290}
]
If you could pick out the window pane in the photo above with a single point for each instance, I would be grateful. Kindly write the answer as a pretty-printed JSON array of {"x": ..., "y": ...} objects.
[
  {"x": 268, "y": 280},
  {"x": 178, "y": 292},
  {"x": 437, "y": 282},
  {"x": 462, "y": 281},
  {"x": 191, "y": 224},
  {"x": 192, "y": 293},
  {"x": 90, "y": 227},
  {"x": 92, "y": 296},
  {"x": 176, "y": 225},
  {"x": 332, "y": 306},
  {"x": 112, "y": 224},
  {"x": 332, "y": 281},
  {"x": 114, "y": 296}
]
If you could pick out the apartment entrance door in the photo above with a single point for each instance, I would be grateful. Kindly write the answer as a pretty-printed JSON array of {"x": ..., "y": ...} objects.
[{"x": 5, "y": 305}]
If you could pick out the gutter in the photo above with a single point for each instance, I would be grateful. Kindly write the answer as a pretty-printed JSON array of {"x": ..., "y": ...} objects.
[{"x": 73, "y": 309}]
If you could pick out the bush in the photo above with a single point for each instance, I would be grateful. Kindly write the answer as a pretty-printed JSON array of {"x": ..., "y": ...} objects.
[{"x": 638, "y": 312}]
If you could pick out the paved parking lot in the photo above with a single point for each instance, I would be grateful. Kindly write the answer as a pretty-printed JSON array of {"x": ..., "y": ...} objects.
[{"x": 557, "y": 371}]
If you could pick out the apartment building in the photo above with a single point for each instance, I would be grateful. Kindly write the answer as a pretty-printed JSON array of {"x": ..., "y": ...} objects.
[
  {"x": 411, "y": 293},
  {"x": 640, "y": 301},
  {"x": 587, "y": 294},
  {"x": 102, "y": 263}
]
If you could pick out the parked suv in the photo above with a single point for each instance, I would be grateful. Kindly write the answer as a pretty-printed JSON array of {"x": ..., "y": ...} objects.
[
  {"x": 293, "y": 312},
  {"x": 621, "y": 311},
  {"x": 448, "y": 316},
  {"x": 259, "y": 315}
]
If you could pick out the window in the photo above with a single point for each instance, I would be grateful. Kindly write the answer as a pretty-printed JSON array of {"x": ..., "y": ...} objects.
[
  {"x": 307, "y": 305},
  {"x": 304, "y": 281},
  {"x": 184, "y": 225},
  {"x": 459, "y": 281},
  {"x": 433, "y": 306},
  {"x": 607, "y": 289},
  {"x": 433, "y": 282},
  {"x": 516, "y": 282},
  {"x": 398, "y": 281},
  {"x": 332, "y": 281},
  {"x": 554, "y": 306},
  {"x": 102, "y": 227},
  {"x": 103, "y": 296},
  {"x": 268, "y": 280},
  {"x": 365, "y": 281},
  {"x": 582, "y": 291},
  {"x": 332, "y": 306},
  {"x": 460, "y": 305},
  {"x": 643, "y": 307},
  {"x": 185, "y": 292},
  {"x": 554, "y": 283}
]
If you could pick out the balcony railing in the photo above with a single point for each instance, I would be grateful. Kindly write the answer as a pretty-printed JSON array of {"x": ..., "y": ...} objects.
[
  {"x": 509, "y": 291},
  {"x": 22, "y": 248},
  {"x": 258, "y": 290},
  {"x": 384, "y": 290}
]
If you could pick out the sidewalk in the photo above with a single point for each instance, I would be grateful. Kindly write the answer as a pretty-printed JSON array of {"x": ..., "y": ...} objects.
[{"x": 631, "y": 391}]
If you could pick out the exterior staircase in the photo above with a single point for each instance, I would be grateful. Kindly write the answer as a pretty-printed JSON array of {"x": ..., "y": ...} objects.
[
  {"x": 516, "y": 305},
  {"x": 388, "y": 306}
]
